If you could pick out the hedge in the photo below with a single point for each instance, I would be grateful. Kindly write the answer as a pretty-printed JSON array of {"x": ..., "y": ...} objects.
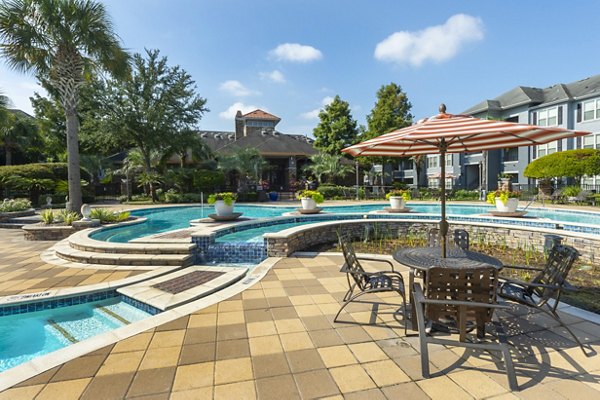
[{"x": 54, "y": 171}]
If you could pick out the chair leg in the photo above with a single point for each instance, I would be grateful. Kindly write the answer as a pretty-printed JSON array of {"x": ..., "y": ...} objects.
[
  {"x": 510, "y": 369},
  {"x": 557, "y": 318},
  {"x": 346, "y": 302}
]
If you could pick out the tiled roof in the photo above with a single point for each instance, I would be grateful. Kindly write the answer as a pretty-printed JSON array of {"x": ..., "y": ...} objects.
[
  {"x": 523, "y": 95},
  {"x": 269, "y": 144},
  {"x": 260, "y": 114}
]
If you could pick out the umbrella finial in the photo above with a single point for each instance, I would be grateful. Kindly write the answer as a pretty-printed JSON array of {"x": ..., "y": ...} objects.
[{"x": 442, "y": 108}]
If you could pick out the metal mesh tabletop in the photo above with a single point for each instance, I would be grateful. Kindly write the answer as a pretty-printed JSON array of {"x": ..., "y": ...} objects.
[{"x": 423, "y": 258}]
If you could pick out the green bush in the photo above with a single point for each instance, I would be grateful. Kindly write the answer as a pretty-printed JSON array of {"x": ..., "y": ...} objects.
[
  {"x": 204, "y": 180},
  {"x": 171, "y": 196},
  {"x": 248, "y": 196},
  {"x": 571, "y": 191},
  {"x": 568, "y": 163},
  {"x": 67, "y": 217},
  {"x": 47, "y": 217},
  {"x": 107, "y": 216},
  {"x": 333, "y": 192},
  {"x": 15, "y": 205},
  {"x": 54, "y": 171},
  {"x": 463, "y": 194}
]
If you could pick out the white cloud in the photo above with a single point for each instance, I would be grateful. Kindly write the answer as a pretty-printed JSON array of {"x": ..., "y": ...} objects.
[
  {"x": 229, "y": 114},
  {"x": 436, "y": 43},
  {"x": 295, "y": 52},
  {"x": 314, "y": 114},
  {"x": 236, "y": 88},
  {"x": 273, "y": 76}
]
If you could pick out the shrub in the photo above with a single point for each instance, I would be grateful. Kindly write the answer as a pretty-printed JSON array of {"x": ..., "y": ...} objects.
[
  {"x": 463, "y": 194},
  {"x": 227, "y": 197},
  {"x": 67, "y": 217},
  {"x": 54, "y": 171},
  {"x": 248, "y": 196},
  {"x": 504, "y": 195},
  {"x": 312, "y": 194},
  {"x": 569, "y": 163},
  {"x": 332, "y": 191},
  {"x": 405, "y": 194},
  {"x": 571, "y": 191},
  {"x": 15, "y": 205},
  {"x": 107, "y": 216},
  {"x": 47, "y": 217},
  {"x": 204, "y": 180}
]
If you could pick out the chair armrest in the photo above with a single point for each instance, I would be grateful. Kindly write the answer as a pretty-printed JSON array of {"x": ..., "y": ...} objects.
[
  {"x": 530, "y": 284},
  {"x": 522, "y": 267},
  {"x": 377, "y": 260},
  {"x": 347, "y": 271}
]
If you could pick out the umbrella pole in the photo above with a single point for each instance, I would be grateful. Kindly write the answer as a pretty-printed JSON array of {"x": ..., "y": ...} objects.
[{"x": 443, "y": 222}]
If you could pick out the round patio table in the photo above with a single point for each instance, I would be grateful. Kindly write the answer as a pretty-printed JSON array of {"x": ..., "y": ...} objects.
[{"x": 420, "y": 259}]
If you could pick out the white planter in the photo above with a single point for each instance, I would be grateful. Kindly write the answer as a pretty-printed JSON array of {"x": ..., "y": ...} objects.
[
  {"x": 510, "y": 206},
  {"x": 397, "y": 202},
  {"x": 308, "y": 203},
  {"x": 223, "y": 209}
]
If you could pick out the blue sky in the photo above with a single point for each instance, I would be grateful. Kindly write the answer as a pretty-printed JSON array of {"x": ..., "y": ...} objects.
[{"x": 291, "y": 57}]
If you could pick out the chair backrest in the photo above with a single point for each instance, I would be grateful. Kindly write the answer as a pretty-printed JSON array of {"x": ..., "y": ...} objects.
[
  {"x": 559, "y": 263},
  {"x": 460, "y": 237},
  {"x": 353, "y": 265},
  {"x": 462, "y": 284}
]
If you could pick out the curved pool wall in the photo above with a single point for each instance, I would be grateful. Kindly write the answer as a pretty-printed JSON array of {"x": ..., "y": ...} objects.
[
  {"x": 163, "y": 219},
  {"x": 515, "y": 232}
]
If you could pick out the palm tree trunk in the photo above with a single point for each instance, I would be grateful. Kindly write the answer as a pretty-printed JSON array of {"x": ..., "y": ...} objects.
[
  {"x": 8, "y": 153},
  {"x": 148, "y": 166},
  {"x": 74, "y": 174}
]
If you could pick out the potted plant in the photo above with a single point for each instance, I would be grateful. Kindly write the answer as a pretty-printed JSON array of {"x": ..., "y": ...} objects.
[
  {"x": 223, "y": 202},
  {"x": 504, "y": 181},
  {"x": 398, "y": 198},
  {"x": 310, "y": 199},
  {"x": 505, "y": 200}
]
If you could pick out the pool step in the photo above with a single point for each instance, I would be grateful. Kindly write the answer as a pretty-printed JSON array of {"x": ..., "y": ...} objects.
[
  {"x": 112, "y": 314},
  {"x": 66, "y": 252},
  {"x": 62, "y": 331},
  {"x": 19, "y": 222},
  {"x": 81, "y": 241}
]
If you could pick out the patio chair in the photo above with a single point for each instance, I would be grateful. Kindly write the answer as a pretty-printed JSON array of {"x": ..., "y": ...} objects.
[
  {"x": 544, "y": 290},
  {"x": 464, "y": 295},
  {"x": 460, "y": 238},
  {"x": 368, "y": 282}
]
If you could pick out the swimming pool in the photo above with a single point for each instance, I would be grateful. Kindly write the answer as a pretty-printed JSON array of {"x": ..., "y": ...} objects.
[
  {"x": 169, "y": 218},
  {"x": 24, "y": 337}
]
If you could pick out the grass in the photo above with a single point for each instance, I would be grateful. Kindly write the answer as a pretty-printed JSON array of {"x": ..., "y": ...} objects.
[{"x": 583, "y": 276}]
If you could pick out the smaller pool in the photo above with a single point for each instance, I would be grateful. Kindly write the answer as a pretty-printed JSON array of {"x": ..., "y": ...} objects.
[
  {"x": 255, "y": 234},
  {"x": 24, "y": 337}
]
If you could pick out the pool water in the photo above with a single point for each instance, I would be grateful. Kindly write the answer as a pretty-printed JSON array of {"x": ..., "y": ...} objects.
[
  {"x": 24, "y": 337},
  {"x": 169, "y": 218},
  {"x": 255, "y": 234}
]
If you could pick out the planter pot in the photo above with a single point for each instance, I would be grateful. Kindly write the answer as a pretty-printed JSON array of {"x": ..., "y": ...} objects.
[
  {"x": 308, "y": 203},
  {"x": 397, "y": 202},
  {"x": 273, "y": 196},
  {"x": 510, "y": 206},
  {"x": 223, "y": 209}
]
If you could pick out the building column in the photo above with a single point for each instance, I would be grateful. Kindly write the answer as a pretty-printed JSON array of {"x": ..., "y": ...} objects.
[{"x": 292, "y": 170}]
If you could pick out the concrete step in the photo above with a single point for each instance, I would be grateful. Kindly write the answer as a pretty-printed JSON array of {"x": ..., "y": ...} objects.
[
  {"x": 81, "y": 241},
  {"x": 66, "y": 252},
  {"x": 19, "y": 222}
]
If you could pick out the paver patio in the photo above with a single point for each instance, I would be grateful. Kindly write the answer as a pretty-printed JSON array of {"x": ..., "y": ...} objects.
[{"x": 277, "y": 340}]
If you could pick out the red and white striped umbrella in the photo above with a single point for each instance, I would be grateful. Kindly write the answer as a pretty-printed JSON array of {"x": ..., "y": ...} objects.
[
  {"x": 448, "y": 133},
  {"x": 457, "y": 133}
]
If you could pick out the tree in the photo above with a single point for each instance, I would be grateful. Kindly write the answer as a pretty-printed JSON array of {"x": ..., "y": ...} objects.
[
  {"x": 329, "y": 165},
  {"x": 157, "y": 107},
  {"x": 336, "y": 129},
  {"x": 569, "y": 164},
  {"x": 61, "y": 41},
  {"x": 248, "y": 163},
  {"x": 391, "y": 112},
  {"x": 19, "y": 133},
  {"x": 183, "y": 145}
]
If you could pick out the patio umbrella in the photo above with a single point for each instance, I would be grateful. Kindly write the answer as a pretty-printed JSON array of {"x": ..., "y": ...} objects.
[{"x": 448, "y": 133}]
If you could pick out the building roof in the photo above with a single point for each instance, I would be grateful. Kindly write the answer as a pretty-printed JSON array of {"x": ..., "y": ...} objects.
[
  {"x": 271, "y": 144},
  {"x": 260, "y": 114},
  {"x": 20, "y": 113},
  {"x": 532, "y": 97}
]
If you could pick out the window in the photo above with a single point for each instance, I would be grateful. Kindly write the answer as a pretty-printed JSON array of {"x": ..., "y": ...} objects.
[
  {"x": 511, "y": 154},
  {"x": 591, "y": 110},
  {"x": 449, "y": 183},
  {"x": 548, "y": 117},
  {"x": 433, "y": 161},
  {"x": 448, "y": 160},
  {"x": 545, "y": 149},
  {"x": 433, "y": 183},
  {"x": 591, "y": 142},
  {"x": 266, "y": 124}
]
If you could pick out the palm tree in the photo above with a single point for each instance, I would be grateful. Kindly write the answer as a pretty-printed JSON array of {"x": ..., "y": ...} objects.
[
  {"x": 247, "y": 162},
  {"x": 184, "y": 144},
  {"x": 61, "y": 41},
  {"x": 135, "y": 163},
  {"x": 329, "y": 165}
]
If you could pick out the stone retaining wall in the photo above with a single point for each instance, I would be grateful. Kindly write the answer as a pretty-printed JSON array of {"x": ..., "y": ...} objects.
[
  {"x": 513, "y": 237},
  {"x": 48, "y": 232}
]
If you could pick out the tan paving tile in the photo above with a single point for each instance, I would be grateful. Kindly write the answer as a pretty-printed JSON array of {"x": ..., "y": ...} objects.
[
  {"x": 370, "y": 394},
  {"x": 316, "y": 384},
  {"x": 277, "y": 388},
  {"x": 269, "y": 365},
  {"x": 121, "y": 363},
  {"x": 202, "y": 320},
  {"x": 325, "y": 338},
  {"x": 193, "y": 394},
  {"x": 193, "y": 376},
  {"x": 442, "y": 387},
  {"x": 235, "y": 391},
  {"x": 477, "y": 383},
  {"x": 21, "y": 393},
  {"x": 200, "y": 335},
  {"x": 197, "y": 353},
  {"x": 409, "y": 390},
  {"x": 296, "y": 341},
  {"x": 265, "y": 345},
  {"x": 167, "y": 339},
  {"x": 385, "y": 373},
  {"x": 152, "y": 381},
  {"x": 64, "y": 390},
  {"x": 138, "y": 342},
  {"x": 230, "y": 318},
  {"x": 366, "y": 352},
  {"x": 336, "y": 356},
  {"x": 304, "y": 360},
  {"x": 83, "y": 367},
  {"x": 106, "y": 387},
  {"x": 235, "y": 370},
  {"x": 289, "y": 325},
  {"x": 160, "y": 358},
  {"x": 352, "y": 378}
]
